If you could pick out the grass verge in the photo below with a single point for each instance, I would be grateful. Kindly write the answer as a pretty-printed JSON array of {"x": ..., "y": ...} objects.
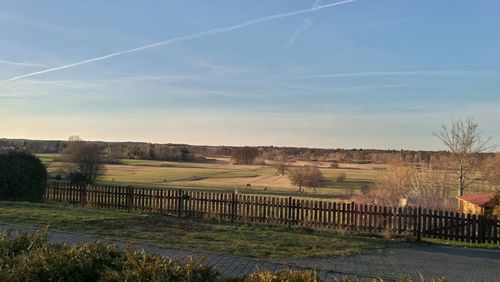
[
  {"x": 457, "y": 244},
  {"x": 189, "y": 234}
]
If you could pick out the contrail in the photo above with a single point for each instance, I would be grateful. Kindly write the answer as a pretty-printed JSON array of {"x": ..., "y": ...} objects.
[
  {"x": 306, "y": 24},
  {"x": 21, "y": 64},
  {"x": 187, "y": 37}
]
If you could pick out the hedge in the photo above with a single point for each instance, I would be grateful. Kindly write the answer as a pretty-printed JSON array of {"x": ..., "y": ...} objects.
[{"x": 23, "y": 177}]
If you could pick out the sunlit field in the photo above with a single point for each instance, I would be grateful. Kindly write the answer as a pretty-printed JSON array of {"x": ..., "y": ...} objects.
[{"x": 219, "y": 174}]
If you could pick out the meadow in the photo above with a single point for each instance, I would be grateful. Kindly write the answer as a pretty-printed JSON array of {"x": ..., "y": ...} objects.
[
  {"x": 189, "y": 233},
  {"x": 218, "y": 174}
]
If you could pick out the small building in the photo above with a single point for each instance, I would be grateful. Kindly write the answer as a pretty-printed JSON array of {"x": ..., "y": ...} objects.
[{"x": 475, "y": 204}]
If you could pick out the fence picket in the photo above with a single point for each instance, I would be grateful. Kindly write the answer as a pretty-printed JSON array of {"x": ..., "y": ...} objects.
[{"x": 282, "y": 211}]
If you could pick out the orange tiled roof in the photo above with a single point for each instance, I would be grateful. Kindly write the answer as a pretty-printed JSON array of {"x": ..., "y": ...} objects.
[{"x": 481, "y": 200}]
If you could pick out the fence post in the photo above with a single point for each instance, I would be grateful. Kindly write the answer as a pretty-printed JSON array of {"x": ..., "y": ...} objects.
[
  {"x": 481, "y": 228},
  {"x": 83, "y": 194},
  {"x": 179, "y": 202},
  {"x": 418, "y": 227},
  {"x": 234, "y": 207},
  {"x": 54, "y": 189},
  {"x": 130, "y": 198},
  {"x": 289, "y": 213}
]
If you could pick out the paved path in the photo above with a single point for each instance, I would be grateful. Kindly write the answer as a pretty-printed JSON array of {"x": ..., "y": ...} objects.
[{"x": 456, "y": 264}]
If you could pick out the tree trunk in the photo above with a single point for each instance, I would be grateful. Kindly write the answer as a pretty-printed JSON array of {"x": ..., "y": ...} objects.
[{"x": 461, "y": 179}]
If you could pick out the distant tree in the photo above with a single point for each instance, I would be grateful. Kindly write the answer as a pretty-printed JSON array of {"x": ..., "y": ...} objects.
[
  {"x": 74, "y": 138},
  {"x": 84, "y": 161},
  {"x": 418, "y": 186},
  {"x": 244, "y": 155},
  {"x": 491, "y": 169},
  {"x": 23, "y": 177},
  {"x": 185, "y": 154},
  {"x": 306, "y": 176},
  {"x": 297, "y": 177},
  {"x": 314, "y": 177},
  {"x": 465, "y": 142},
  {"x": 113, "y": 154},
  {"x": 152, "y": 152},
  {"x": 165, "y": 153},
  {"x": 281, "y": 167},
  {"x": 281, "y": 164},
  {"x": 339, "y": 177},
  {"x": 496, "y": 204}
]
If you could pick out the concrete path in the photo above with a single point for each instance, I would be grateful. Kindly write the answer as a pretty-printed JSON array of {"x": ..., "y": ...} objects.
[{"x": 432, "y": 261}]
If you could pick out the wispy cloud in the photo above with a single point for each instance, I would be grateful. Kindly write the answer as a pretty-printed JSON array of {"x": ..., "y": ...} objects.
[
  {"x": 187, "y": 38},
  {"x": 37, "y": 24},
  {"x": 21, "y": 64},
  {"x": 218, "y": 69},
  {"x": 306, "y": 24},
  {"x": 404, "y": 73}
]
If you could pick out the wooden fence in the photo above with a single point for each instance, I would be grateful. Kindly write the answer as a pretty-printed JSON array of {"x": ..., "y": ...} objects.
[{"x": 370, "y": 219}]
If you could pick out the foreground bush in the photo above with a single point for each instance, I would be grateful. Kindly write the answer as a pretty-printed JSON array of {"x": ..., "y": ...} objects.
[
  {"x": 30, "y": 258},
  {"x": 23, "y": 177},
  {"x": 291, "y": 276}
]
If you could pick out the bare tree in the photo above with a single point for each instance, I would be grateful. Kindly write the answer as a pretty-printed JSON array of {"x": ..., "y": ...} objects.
[
  {"x": 244, "y": 155},
  {"x": 466, "y": 144},
  {"x": 84, "y": 160},
  {"x": 491, "y": 169},
  {"x": 495, "y": 202},
  {"x": 395, "y": 185},
  {"x": 306, "y": 176},
  {"x": 408, "y": 184},
  {"x": 314, "y": 177},
  {"x": 281, "y": 165},
  {"x": 297, "y": 177}
]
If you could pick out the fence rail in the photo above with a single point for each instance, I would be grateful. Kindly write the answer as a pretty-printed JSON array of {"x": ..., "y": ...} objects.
[{"x": 372, "y": 219}]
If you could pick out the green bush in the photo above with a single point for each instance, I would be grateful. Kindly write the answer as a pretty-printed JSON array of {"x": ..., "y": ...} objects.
[
  {"x": 23, "y": 177},
  {"x": 30, "y": 258}
]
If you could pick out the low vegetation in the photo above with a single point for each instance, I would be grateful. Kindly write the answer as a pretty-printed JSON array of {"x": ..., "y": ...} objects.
[
  {"x": 23, "y": 177},
  {"x": 31, "y": 258},
  {"x": 185, "y": 233}
]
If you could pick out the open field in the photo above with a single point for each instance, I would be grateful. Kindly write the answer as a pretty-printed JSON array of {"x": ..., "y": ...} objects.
[
  {"x": 188, "y": 234},
  {"x": 220, "y": 175}
]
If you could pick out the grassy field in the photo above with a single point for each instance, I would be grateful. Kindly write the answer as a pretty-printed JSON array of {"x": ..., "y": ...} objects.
[
  {"x": 189, "y": 234},
  {"x": 220, "y": 175}
]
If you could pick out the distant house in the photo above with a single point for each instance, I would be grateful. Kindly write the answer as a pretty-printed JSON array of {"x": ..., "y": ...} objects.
[{"x": 475, "y": 204}]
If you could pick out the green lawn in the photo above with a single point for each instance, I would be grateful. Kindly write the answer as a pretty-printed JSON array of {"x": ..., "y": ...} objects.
[
  {"x": 189, "y": 234},
  {"x": 145, "y": 175},
  {"x": 47, "y": 159},
  {"x": 450, "y": 243}
]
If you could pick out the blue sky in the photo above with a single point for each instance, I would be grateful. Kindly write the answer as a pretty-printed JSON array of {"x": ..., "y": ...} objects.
[{"x": 367, "y": 73}]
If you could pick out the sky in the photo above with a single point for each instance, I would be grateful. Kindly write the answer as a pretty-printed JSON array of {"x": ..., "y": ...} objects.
[{"x": 382, "y": 74}]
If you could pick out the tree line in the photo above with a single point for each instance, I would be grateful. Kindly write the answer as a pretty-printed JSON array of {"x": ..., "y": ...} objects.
[{"x": 182, "y": 152}]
